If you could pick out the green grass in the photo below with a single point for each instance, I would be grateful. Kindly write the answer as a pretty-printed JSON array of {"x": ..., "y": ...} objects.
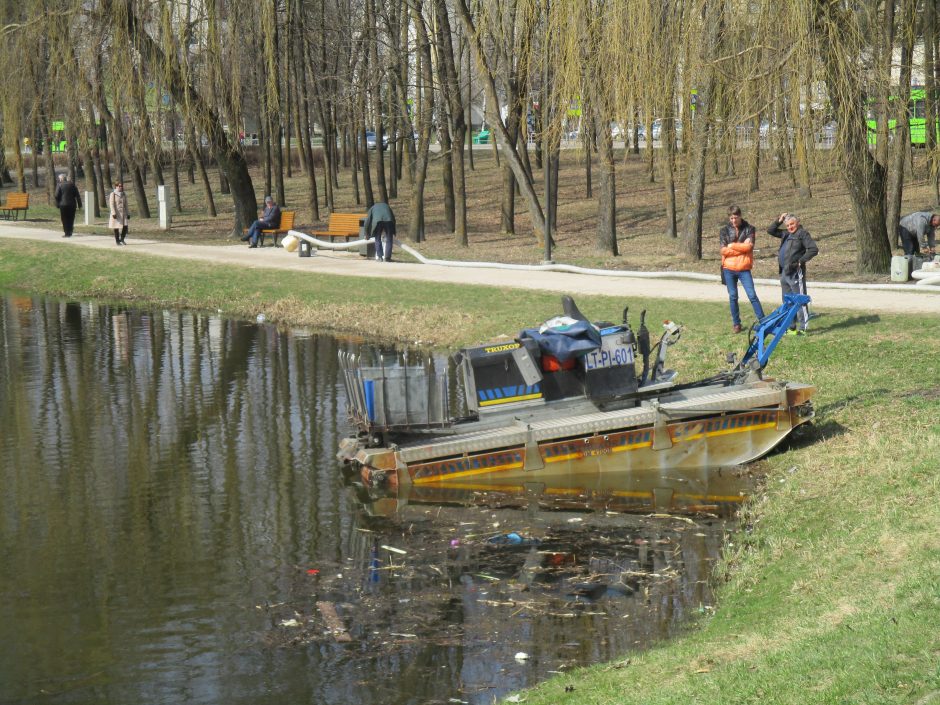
[{"x": 829, "y": 593}]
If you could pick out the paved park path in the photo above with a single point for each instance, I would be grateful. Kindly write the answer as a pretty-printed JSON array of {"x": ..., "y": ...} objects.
[{"x": 902, "y": 299}]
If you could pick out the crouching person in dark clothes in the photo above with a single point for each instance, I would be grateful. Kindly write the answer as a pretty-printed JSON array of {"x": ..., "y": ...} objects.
[
  {"x": 797, "y": 247},
  {"x": 917, "y": 232},
  {"x": 381, "y": 221}
]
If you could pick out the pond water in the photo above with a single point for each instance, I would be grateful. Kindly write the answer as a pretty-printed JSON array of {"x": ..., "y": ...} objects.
[{"x": 174, "y": 527}]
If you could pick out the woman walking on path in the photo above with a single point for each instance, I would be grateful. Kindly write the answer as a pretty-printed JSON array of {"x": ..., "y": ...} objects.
[
  {"x": 117, "y": 204},
  {"x": 67, "y": 200},
  {"x": 737, "y": 260}
]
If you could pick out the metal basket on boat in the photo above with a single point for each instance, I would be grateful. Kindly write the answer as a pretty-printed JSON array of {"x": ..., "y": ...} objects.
[{"x": 395, "y": 397}]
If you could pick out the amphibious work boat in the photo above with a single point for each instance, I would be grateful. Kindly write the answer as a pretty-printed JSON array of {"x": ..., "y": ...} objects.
[{"x": 571, "y": 399}]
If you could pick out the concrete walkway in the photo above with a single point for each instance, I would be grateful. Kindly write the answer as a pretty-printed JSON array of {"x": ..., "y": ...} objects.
[{"x": 349, "y": 264}]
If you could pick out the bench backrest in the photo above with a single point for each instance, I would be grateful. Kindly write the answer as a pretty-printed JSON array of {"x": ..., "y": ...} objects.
[
  {"x": 287, "y": 220},
  {"x": 17, "y": 200},
  {"x": 345, "y": 222}
]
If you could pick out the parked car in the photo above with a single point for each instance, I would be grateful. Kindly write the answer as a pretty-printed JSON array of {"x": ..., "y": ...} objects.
[
  {"x": 482, "y": 137},
  {"x": 658, "y": 127},
  {"x": 371, "y": 140}
]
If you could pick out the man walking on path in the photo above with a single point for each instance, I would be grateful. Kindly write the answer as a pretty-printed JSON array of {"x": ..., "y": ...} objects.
[
  {"x": 737, "y": 259},
  {"x": 917, "y": 232},
  {"x": 67, "y": 200},
  {"x": 797, "y": 247},
  {"x": 380, "y": 220}
]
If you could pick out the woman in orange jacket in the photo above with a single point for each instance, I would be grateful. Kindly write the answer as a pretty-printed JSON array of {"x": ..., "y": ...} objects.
[{"x": 737, "y": 259}]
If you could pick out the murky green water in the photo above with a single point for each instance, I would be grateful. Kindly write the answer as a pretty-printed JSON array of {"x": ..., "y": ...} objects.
[{"x": 171, "y": 514}]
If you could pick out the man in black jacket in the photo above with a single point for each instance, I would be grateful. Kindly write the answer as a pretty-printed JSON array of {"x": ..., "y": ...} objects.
[
  {"x": 67, "y": 200},
  {"x": 797, "y": 247}
]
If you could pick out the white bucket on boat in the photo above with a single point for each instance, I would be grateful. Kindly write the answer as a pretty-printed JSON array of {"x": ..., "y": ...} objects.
[{"x": 290, "y": 242}]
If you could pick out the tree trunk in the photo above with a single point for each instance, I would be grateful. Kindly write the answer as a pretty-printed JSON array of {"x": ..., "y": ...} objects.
[
  {"x": 196, "y": 156},
  {"x": 90, "y": 183},
  {"x": 587, "y": 148},
  {"x": 140, "y": 189},
  {"x": 99, "y": 176},
  {"x": 424, "y": 81},
  {"x": 753, "y": 165},
  {"x": 50, "y": 162},
  {"x": 447, "y": 172},
  {"x": 668, "y": 151},
  {"x": 902, "y": 141},
  {"x": 363, "y": 151},
  {"x": 930, "y": 85},
  {"x": 607, "y": 198},
  {"x": 799, "y": 139},
  {"x": 468, "y": 120},
  {"x": 458, "y": 127},
  {"x": 886, "y": 58}
]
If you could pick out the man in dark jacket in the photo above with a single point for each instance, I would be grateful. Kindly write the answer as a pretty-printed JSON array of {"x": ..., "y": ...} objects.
[
  {"x": 797, "y": 247},
  {"x": 381, "y": 221},
  {"x": 270, "y": 218},
  {"x": 67, "y": 200}
]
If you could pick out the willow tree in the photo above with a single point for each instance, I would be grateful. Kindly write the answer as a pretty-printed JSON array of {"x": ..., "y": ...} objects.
[
  {"x": 843, "y": 47},
  {"x": 197, "y": 109},
  {"x": 500, "y": 130},
  {"x": 587, "y": 54},
  {"x": 712, "y": 23}
]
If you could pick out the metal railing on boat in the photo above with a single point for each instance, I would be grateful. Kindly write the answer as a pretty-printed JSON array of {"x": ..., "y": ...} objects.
[{"x": 402, "y": 397}]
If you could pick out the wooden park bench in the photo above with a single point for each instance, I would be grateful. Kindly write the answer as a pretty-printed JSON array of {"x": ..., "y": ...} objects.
[
  {"x": 287, "y": 223},
  {"x": 15, "y": 202},
  {"x": 344, "y": 225}
]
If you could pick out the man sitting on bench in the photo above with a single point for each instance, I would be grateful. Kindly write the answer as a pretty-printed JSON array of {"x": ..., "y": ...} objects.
[{"x": 269, "y": 220}]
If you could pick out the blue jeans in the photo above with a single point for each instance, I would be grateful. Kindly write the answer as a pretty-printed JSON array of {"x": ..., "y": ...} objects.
[
  {"x": 731, "y": 280},
  {"x": 796, "y": 284},
  {"x": 388, "y": 231},
  {"x": 254, "y": 231}
]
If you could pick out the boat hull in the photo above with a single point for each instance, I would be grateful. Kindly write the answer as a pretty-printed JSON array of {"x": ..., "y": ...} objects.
[{"x": 586, "y": 448}]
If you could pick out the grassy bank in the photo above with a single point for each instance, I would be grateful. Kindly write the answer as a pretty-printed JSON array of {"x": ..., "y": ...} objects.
[{"x": 830, "y": 592}]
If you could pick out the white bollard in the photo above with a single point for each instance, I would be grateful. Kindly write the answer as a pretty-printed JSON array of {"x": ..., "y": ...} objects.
[
  {"x": 163, "y": 208},
  {"x": 89, "y": 204}
]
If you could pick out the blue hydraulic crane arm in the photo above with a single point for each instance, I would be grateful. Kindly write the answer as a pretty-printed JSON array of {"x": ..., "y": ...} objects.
[{"x": 773, "y": 326}]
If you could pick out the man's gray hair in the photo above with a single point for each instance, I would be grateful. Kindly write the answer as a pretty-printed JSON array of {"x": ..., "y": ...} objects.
[
  {"x": 61, "y": 177},
  {"x": 791, "y": 216},
  {"x": 268, "y": 199}
]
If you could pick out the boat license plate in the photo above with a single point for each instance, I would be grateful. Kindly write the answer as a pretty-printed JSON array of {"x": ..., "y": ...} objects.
[{"x": 610, "y": 354}]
